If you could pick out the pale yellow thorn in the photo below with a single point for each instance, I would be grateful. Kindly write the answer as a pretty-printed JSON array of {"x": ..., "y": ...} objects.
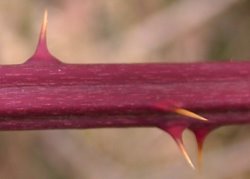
[
  {"x": 44, "y": 25},
  {"x": 184, "y": 153},
  {"x": 190, "y": 114}
]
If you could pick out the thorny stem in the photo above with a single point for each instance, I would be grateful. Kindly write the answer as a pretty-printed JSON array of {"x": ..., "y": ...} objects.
[{"x": 44, "y": 93}]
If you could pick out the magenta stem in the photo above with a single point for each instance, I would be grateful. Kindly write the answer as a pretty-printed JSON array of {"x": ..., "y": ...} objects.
[{"x": 54, "y": 95}]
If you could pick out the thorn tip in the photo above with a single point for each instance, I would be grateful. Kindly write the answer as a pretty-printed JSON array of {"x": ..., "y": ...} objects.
[
  {"x": 184, "y": 153},
  {"x": 44, "y": 25},
  {"x": 190, "y": 114},
  {"x": 200, "y": 156},
  {"x": 42, "y": 49}
]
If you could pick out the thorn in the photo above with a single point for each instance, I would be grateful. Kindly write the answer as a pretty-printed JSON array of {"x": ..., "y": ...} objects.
[
  {"x": 200, "y": 134},
  {"x": 190, "y": 114},
  {"x": 42, "y": 54},
  {"x": 176, "y": 133},
  {"x": 184, "y": 152},
  {"x": 44, "y": 26},
  {"x": 200, "y": 155},
  {"x": 42, "y": 42}
]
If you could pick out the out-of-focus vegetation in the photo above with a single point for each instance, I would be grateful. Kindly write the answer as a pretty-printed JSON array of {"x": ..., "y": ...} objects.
[{"x": 116, "y": 31}]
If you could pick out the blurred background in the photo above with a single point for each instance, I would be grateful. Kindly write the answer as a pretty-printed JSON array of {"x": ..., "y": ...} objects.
[{"x": 131, "y": 31}]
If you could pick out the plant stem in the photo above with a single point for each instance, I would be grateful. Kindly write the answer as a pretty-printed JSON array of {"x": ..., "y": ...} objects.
[{"x": 51, "y": 95}]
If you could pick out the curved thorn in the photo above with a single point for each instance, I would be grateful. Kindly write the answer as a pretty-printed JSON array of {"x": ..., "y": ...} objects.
[
  {"x": 176, "y": 132},
  {"x": 190, "y": 114},
  {"x": 184, "y": 152}
]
